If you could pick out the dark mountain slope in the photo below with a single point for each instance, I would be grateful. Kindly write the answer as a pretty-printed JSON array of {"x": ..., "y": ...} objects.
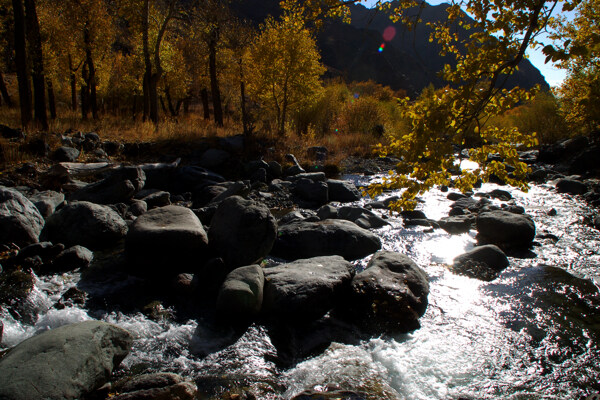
[{"x": 409, "y": 61}]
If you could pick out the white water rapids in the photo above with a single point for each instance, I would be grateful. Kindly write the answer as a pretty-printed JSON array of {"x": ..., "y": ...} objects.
[{"x": 533, "y": 333}]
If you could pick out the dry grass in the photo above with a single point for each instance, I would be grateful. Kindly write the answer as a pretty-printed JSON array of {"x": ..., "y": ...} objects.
[{"x": 181, "y": 135}]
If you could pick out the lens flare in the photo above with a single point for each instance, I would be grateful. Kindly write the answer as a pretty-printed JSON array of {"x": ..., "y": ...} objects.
[
  {"x": 380, "y": 49},
  {"x": 389, "y": 33}
]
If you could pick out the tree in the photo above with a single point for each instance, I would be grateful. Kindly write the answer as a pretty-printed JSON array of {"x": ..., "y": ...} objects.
[
  {"x": 285, "y": 67},
  {"x": 499, "y": 34},
  {"x": 21, "y": 62},
  {"x": 37, "y": 63},
  {"x": 580, "y": 92}
]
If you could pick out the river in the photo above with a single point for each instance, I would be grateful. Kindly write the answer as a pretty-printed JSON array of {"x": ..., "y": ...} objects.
[{"x": 532, "y": 333}]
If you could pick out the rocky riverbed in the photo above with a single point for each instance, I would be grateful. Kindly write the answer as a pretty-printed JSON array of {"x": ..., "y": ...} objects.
[{"x": 171, "y": 279}]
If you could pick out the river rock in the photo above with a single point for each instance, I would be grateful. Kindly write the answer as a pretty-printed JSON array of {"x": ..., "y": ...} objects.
[
  {"x": 157, "y": 199},
  {"x": 72, "y": 258},
  {"x": 156, "y": 386},
  {"x": 47, "y": 251},
  {"x": 571, "y": 186},
  {"x": 167, "y": 240},
  {"x": 305, "y": 289},
  {"x": 91, "y": 225},
  {"x": 47, "y": 201},
  {"x": 504, "y": 228},
  {"x": 313, "y": 192},
  {"x": 20, "y": 221},
  {"x": 455, "y": 225},
  {"x": 241, "y": 295},
  {"x": 137, "y": 207},
  {"x": 362, "y": 217},
  {"x": 342, "y": 191},
  {"x": 63, "y": 363},
  {"x": 65, "y": 154},
  {"x": 214, "y": 158},
  {"x": 122, "y": 184},
  {"x": 242, "y": 232},
  {"x": 390, "y": 295},
  {"x": 325, "y": 238},
  {"x": 483, "y": 262}
]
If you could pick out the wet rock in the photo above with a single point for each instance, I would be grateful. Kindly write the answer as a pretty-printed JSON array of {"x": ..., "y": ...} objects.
[
  {"x": 413, "y": 214},
  {"x": 455, "y": 225},
  {"x": 156, "y": 386},
  {"x": 91, "y": 225},
  {"x": 63, "y": 363},
  {"x": 242, "y": 232},
  {"x": 390, "y": 295},
  {"x": 72, "y": 258},
  {"x": 315, "y": 193},
  {"x": 453, "y": 196},
  {"x": 504, "y": 228},
  {"x": 305, "y": 289},
  {"x": 65, "y": 154},
  {"x": 47, "y": 251},
  {"x": 571, "y": 186},
  {"x": 47, "y": 201},
  {"x": 483, "y": 262},
  {"x": 330, "y": 237},
  {"x": 331, "y": 395},
  {"x": 15, "y": 286},
  {"x": 500, "y": 194},
  {"x": 120, "y": 186},
  {"x": 20, "y": 221},
  {"x": 362, "y": 217},
  {"x": 166, "y": 240},
  {"x": 342, "y": 191},
  {"x": 241, "y": 295}
]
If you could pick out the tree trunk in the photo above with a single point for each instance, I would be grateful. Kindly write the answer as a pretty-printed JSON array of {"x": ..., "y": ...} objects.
[
  {"x": 245, "y": 117},
  {"x": 134, "y": 107},
  {"x": 85, "y": 91},
  {"x": 172, "y": 109},
  {"x": 4, "y": 91},
  {"x": 147, "y": 63},
  {"x": 153, "y": 91},
  {"x": 214, "y": 82},
  {"x": 91, "y": 73},
  {"x": 51, "y": 99},
  {"x": 37, "y": 63},
  {"x": 205, "y": 106},
  {"x": 21, "y": 62},
  {"x": 162, "y": 104},
  {"x": 186, "y": 104},
  {"x": 73, "y": 82}
]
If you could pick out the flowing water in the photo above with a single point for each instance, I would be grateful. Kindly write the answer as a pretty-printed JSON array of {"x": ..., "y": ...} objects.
[{"x": 532, "y": 333}]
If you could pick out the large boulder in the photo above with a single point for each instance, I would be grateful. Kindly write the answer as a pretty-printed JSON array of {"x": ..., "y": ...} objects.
[
  {"x": 305, "y": 289},
  {"x": 315, "y": 193},
  {"x": 20, "y": 221},
  {"x": 505, "y": 229},
  {"x": 91, "y": 225},
  {"x": 342, "y": 191},
  {"x": 242, "y": 232},
  {"x": 390, "y": 295},
  {"x": 122, "y": 184},
  {"x": 241, "y": 295},
  {"x": 324, "y": 238},
  {"x": 571, "y": 186},
  {"x": 483, "y": 262},
  {"x": 457, "y": 224},
  {"x": 63, "y": 363},
  {"x": 168, "y": 239},
  {"x": 362, "y": 217}
]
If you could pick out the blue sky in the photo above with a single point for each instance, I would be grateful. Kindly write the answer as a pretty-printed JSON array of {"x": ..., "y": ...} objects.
[{"x": 554, "y": 76}]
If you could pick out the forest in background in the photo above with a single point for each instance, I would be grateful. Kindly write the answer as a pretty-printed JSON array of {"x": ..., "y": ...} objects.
[{"x": 140, "y": 69}]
